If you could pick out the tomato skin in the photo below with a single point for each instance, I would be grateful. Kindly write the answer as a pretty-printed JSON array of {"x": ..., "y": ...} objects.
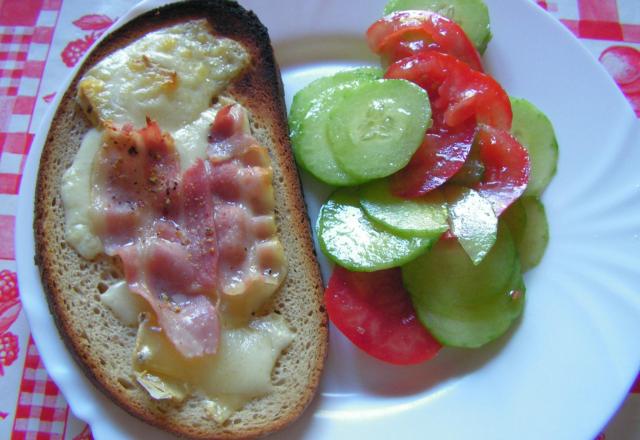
[
  {"x": 456, "y": 89},
  {"x": 374, "y": 311},
  {"x": 507, "y": 168},
  {"x": 406, "y": 33},
  {"x": 441, "y": 155},
  {"x": 460, "y": 97},
  {"x": 482, "y": 96}
]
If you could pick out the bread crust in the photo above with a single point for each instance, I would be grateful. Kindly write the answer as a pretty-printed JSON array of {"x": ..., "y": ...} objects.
[{"x": 72, "y": 284}]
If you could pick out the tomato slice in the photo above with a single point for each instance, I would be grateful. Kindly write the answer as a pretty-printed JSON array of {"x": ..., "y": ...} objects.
[
  {"x": 460, "y": 97},
  {"x": 374, "y": 311},
  {"x": 456, "y": 89},
  {"x": 443, "y": 152},
  {"x": 507, "y": 167},
  {"x": 406, "y": 33}
]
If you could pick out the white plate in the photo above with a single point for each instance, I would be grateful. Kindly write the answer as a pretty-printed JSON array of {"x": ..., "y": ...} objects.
[{"x": 563, "y": 371}]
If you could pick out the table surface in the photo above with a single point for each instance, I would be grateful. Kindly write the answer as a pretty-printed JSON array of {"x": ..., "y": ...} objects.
[{"x": 41, "y": 40}]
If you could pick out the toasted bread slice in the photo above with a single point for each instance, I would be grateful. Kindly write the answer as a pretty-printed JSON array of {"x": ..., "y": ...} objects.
[{"x": 100, "y": 343}]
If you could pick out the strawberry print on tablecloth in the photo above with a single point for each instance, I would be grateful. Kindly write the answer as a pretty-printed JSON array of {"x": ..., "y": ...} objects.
[
  {"x": 10, "y": 307},
  {"x": 85, "y": 434},
  {"x": 623, "y": 63},
  {"x": 94, "y": 23}
]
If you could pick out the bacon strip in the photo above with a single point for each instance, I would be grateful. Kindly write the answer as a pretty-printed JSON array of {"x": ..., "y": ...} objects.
[
  {"x": 135, "y": 174},
  {"x": 251, "y": 261},
  {"x": 188, "y": 241},
  {"x": 161, "y": 225}
]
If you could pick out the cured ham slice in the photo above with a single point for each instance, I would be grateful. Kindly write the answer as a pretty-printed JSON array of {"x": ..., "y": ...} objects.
[
  {"x": 190, "y": 322},
  {"x": 135, "y": 175},
  {"x": 161, "y": 225},
  {"x": 252, "y": 262},
  {"x": 195, "y": 242}
]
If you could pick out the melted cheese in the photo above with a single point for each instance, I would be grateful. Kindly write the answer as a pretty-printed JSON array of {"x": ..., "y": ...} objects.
[
  {"x": 76, "y": 196},
  {"x": 237, "y": 373},
  {"x": 191, "y": 140},
  {"x": 125, "y": 305},
  {"x": 162, "y": 388},
  {"x": 169, "y": 75},
  {"x": 256, "y": 287}
]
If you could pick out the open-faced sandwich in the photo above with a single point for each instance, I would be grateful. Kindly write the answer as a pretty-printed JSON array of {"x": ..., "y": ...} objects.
[{"x": 172, "y": 237}]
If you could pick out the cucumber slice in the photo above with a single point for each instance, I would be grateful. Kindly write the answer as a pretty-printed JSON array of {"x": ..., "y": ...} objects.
[
  {"x": 377, "y": 126},
  {"x": 471, "y": 15},
  {"x": 447, "y": 272},
  {"x": 515, "y": 216},
  {"x": 463, "y": 305},
  {"x": 474, "y": 327},
  {"x": 472, "y": 221},
  {"x": 307, "y": 97},
  {"x": 534, "y": 131},
  {"x": 422, "y": 217},
  {"x": 351, "y": 240},
  {"x": 531, "y": 235},
  {"x": 308, "y": 124}
]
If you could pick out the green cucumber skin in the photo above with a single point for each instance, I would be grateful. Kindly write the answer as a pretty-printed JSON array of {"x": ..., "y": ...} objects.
[
  {"x": 435, "y": 270},
  {"x": 352, "y": 241},
  {"x": 310, "y": 141},
  {"x": 534, "y": 131},
  {"x": 471, "y": 15},
  {"x": 424, "y": 217},
  {"x": 304, "y": 99},
  {"x": 480, "y": 326},
  {"x": 515, "y": 216},
  {"x": 464, "y": 305},
  {"x": 533, "y": 239},
  {"x": 375, "y": 128},
  {"x": 310, "y": 144}
]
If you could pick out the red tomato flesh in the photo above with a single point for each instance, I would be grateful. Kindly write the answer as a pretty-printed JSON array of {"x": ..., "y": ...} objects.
[
  {"x": 374, "y": 311},
  {"x": 507, "y": 167},
  {"x": 460, "y": 98},
  {"x": 406, "y": 33},
  {"x": 456, "y": 89},
  {"x": 441, "y": 155},
  {"x": 474, "y": 94}
]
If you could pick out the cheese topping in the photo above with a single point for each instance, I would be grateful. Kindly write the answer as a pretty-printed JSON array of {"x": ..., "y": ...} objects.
[
  {"x": 171, "y": 76},
  {"x": 191, "y": 140},
  {"x": 76, "y": 196},
  {"x": 240, "y": 371},
  {"x": 126, "y": 306}
]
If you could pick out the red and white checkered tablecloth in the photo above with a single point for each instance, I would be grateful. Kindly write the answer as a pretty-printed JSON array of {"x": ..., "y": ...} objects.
[{"x": 40, "y": 40}]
